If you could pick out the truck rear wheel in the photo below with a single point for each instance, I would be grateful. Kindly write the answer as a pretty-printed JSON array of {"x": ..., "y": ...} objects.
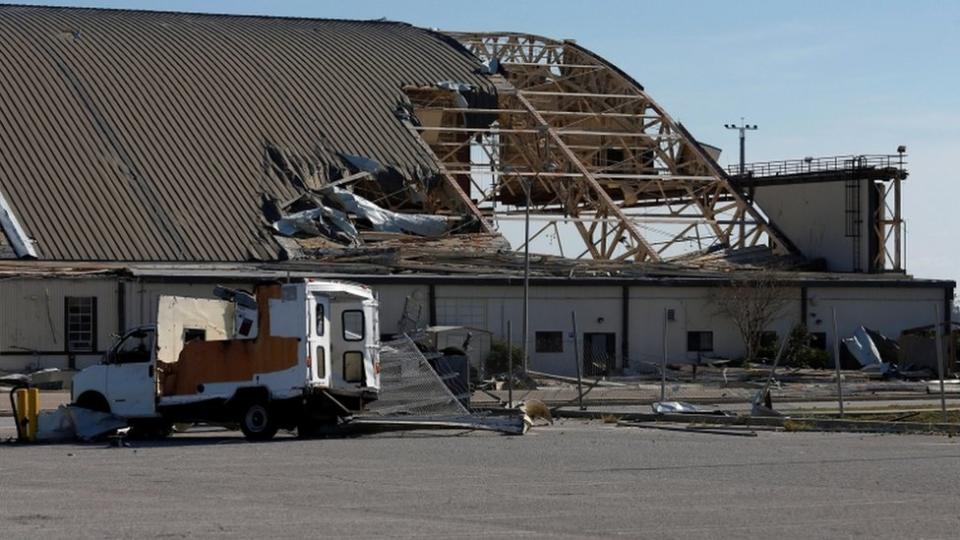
[{"x": 257, "y": 422}]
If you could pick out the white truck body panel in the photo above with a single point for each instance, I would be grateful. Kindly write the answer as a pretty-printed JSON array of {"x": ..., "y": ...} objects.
[{"x": 330, "y": 356}]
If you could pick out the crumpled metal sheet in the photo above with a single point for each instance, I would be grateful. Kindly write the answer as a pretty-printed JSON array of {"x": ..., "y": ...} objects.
[
  {"x": 70, "y": 422},
  {"x": 336, "y": 224},
  {"x": 865, "y": 351},
  {"x": 387, "y": 220}
]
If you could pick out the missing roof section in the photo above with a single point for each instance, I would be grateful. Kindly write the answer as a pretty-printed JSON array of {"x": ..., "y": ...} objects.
[
  {"x": 22, "y": 245},
  {"x": 351, "y": 204}
]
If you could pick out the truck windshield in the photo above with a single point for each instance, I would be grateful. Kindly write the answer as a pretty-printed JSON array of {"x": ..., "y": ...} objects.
[{"x": 135, "y": 347}]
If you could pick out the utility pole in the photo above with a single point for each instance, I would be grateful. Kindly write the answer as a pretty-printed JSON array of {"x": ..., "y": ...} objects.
[{"x": 742, "y": 128}]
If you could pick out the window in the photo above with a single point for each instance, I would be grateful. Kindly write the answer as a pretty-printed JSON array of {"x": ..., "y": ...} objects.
[
  {"x": 136, "y": 347},
  {"x": 768, "y": 339},
  {"x": 80, "y": 314},
  {"x": 353, "y": 325},
  {"x": 320, "y": 319},
  {"x": 321, "y": 361},
  {"x": 194, "y": 334},
  {"x": 700, "y": 341},
  {"x": 549, "y": 342},
  {"x": 353, "y": 366}
]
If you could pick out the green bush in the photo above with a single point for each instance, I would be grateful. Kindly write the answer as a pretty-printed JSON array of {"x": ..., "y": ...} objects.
[
  {"x": 799, "y": 352},
  {"x": 497, "y": 361}
]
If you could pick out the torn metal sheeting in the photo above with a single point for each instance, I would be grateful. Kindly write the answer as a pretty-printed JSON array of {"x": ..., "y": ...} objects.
[
  {"x": 863, "y": 349},
  {"x": 69, "y": 422},
  {"x": 682, "y": 407},
  {"x": 690, "y": 429},
  {"x": 510, "y": 425},
  {"x": 389, "y": 221}
]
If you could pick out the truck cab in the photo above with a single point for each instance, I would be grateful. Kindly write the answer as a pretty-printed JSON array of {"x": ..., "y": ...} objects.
[
  {"x": 123, "y": 382},
  {"x": 297, "y": 352}
]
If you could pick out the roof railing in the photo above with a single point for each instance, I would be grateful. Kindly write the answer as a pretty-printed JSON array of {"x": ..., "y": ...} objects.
[{"x": 818, "y": 164}]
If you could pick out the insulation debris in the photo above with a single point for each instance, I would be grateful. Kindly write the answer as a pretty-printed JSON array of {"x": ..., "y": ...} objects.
[{"x": 331, "y": 213}]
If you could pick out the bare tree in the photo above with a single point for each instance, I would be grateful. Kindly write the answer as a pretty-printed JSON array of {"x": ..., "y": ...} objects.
[{"x": 752, "y": 302}]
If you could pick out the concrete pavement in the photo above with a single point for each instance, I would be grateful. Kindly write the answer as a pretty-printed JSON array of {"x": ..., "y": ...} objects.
[{"x": 573, "y": 480}]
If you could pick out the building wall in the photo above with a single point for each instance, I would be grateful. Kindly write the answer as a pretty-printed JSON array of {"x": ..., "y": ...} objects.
[
  {"x": 694, "y": 310},
  {"x": 598, "y": 310},
  {"x": 32, "y": 316},
  {"x": 32, "y": 321},
  {"x": 886, "y": 310},
  {"x": 814, "y": 217}
]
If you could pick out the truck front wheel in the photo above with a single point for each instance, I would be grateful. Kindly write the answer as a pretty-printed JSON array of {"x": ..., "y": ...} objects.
[{"x": 257, "y": 422}]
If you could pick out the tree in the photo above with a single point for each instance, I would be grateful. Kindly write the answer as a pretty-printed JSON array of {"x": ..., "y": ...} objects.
[{"x": 752, "y": 302}]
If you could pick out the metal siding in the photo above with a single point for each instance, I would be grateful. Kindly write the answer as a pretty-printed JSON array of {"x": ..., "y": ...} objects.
[
  {"x": 32, "y": 312},
  {"x": 143, "y": 137}
]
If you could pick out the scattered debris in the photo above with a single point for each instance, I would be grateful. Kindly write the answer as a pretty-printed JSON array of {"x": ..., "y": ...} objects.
[
  {"x": 863, "y": 349},
  {"x": 69, "y": 422},
  {"x": 534, "y": 410}
]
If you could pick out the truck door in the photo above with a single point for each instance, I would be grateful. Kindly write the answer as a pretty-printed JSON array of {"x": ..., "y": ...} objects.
[
  {"x": 318, "y": 339},
  {"x": 131, "y": 389}
]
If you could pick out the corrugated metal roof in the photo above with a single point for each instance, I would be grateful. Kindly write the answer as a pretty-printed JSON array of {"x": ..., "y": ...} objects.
[{"x": 141, "y": 136}]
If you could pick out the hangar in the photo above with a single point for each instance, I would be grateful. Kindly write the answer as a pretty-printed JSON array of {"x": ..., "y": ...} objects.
[{"x": 150, "y": 153}]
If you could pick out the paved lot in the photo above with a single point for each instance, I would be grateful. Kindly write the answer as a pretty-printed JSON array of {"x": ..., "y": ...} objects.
[{"x": 573, "y": 480}]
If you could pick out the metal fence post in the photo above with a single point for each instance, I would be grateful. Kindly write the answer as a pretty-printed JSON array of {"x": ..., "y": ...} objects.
[
  {"x": 836, "y": 361},
  {"x": 576, "y": 352},
  {"x": 663, "y": 364},
  {"x": 938, "y": 323},
  {"x": 509, "y": 364}
]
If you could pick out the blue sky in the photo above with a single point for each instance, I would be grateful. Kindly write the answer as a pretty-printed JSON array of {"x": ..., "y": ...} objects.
[{"x": 819, "y": 78}]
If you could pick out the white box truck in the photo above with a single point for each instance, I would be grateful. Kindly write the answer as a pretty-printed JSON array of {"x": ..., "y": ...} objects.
[{"x": 295, "y": 355}]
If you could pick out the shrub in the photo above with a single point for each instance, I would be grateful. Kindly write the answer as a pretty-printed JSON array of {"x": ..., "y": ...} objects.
[{"x": 497, "y": 361}]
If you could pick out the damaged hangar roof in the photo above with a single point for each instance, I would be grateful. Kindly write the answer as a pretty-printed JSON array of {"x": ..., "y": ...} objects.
[{"x": 144, "y": 136}]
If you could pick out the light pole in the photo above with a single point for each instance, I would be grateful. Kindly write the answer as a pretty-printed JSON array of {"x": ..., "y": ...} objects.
[
  {"x": 742, "y": 128},
  {"x": 526, "y": 274}
]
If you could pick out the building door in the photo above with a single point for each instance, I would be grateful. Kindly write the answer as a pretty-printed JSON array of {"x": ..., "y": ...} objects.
[{"x": 599, "y": 353}]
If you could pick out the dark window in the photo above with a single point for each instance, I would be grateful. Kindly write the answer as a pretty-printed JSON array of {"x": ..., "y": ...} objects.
[
  {"x": 80, "y": 319},
  {"x": 353, "y": 325},
  {"x": 194, "y": 334},
  {"x": 353, "y": 366},
  {"x": 320, "y": 319},
  {"x": 768, "y": 339},
  {"x": 700, "y": 341},
  {"x": 549, "y": 342},
  {"x": 818, "y": 340}
]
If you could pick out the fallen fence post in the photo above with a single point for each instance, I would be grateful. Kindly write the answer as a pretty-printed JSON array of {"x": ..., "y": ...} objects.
[
  {"x": 836, "y": 361},
  {"x": 938, "y": 323},
  {"x": 576, "y": 352}
]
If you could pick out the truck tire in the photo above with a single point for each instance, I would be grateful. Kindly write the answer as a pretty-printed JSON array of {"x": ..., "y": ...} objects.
[
  {"x": 257, "y": 422},
  {"x": 93, "y": 401}
]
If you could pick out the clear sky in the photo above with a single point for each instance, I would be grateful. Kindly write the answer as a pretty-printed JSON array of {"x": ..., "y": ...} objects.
[{"x": 819, "y": 78}]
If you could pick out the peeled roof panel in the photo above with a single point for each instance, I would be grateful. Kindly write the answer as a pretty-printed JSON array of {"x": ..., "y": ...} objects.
[{"x": 140, "y": 136}]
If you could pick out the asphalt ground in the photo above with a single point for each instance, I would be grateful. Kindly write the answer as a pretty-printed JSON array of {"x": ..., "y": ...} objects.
[{"x": 572, "y": 480}]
